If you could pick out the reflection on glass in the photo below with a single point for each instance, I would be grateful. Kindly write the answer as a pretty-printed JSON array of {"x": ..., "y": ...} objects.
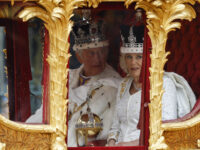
[
  {"x": 23, "y": 42},
  {"x": 3, "y": 76},
  {"x": 35, "y": 32},
  {"x": 36, "y": 54}
]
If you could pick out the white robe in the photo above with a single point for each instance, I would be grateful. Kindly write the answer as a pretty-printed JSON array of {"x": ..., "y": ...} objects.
[
  {"x": 37, "y": 117},
  {"x": 109, "y": 78},
  {"x": 178, "y": 100},
  {"x": 102, "y": 103}
]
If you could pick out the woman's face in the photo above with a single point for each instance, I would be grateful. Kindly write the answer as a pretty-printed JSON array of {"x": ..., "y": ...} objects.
[{"x": 134, "y": 64}]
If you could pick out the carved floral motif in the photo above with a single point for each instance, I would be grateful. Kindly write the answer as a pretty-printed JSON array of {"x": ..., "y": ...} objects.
[
  {"x": 162, "y": 16},
  {"x": 161, "y": 19},
  {"x": 24, "y": 140}
]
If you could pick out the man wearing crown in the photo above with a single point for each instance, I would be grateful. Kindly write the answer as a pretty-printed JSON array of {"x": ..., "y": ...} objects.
[{"x": 93, "y": 86}]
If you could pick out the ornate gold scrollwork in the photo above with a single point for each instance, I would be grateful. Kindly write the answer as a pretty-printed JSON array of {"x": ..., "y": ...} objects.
[
  {"x": 162, "y": 18},
  {"x": 2, "y": 146},
  {"x": 198, "y": 142},
  {"x": 183, "y": 135},
  {"x": 5, "y": 11},
  {"x": 56, "y": 15},
  {"x": 23, "y": 136}
]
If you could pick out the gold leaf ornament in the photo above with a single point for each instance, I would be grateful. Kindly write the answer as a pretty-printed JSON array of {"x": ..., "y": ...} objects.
[
  {"x": 34, "y": 11},
  {"x": 93, "y": 3},
  {"x": 2, "y": 146},
  {"x": 129, "y": 2},
  {"x": 162, "y": 17}
]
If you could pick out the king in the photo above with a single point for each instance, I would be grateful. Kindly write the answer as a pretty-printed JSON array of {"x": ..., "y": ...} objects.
[{"x": 92, "y": 86}]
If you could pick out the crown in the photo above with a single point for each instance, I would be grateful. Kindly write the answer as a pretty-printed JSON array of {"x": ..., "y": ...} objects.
[
  {"x": 89, "y": 34},
  {"x": 132, "y": 39}
]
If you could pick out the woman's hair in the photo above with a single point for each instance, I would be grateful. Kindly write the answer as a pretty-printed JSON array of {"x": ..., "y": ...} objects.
[{"x": 122, "y": 62}]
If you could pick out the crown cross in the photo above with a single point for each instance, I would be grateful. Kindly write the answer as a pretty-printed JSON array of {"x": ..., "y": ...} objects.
[
  {"x": 90, "y": 36},
  {"x": 131, "y": 38},
  {"x": 131, "y": 45}
]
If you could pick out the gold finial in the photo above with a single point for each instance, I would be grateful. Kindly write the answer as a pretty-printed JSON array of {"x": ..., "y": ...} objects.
[
  {"x": 138, "y": 15},
  {"x": 12, "y": 2}
]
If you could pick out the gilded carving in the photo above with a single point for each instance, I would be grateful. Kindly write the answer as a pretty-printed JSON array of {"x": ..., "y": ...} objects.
[
  {"x": 162, "y": 18},
  {"x": 23, "y": 136},
  {"x": 24, "y": 140},
  {"x": 182, "y": 135},
  {"x": 2, "y": 146},
  {"x": 183, "y": 138},
  {"x": 198, "y": 142},
  {"x": 56, "y": 15},
  {"x": 4, "y": 11}
]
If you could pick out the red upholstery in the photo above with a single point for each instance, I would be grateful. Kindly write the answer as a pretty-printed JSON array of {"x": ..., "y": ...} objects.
[
  {"x": 184, "y": 59},
  {"x": 18, "y": 66}
]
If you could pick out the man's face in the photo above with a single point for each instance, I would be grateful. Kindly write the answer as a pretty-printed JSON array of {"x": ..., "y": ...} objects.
[{"x": 94, "y": 60}]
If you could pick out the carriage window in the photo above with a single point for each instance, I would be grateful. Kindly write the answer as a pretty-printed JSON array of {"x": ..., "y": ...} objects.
[
  {"x": 23, "y": 77},
  {"x": 3, "y": 75},
  {"x": 38, "y": 83},
  {"x": 96, "y": 113},
  {"x": 36, "y": 58}
]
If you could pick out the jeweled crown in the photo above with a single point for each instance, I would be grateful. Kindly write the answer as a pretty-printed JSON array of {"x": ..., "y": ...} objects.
[
  {"x": 89, "y": 34},
  {"x": 132, "y": 39}
]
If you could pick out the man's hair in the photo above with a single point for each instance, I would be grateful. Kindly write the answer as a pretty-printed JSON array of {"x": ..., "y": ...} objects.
[{"x": 79, "y": 52}]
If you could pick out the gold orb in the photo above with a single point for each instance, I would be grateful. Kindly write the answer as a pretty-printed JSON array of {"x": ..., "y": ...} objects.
[{"x": 89, "y": 128}]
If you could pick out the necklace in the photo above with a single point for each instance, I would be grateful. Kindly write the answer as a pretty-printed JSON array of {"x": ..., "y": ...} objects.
[
  {"x": 133, "y": 89},
  {"x": 137, "y": 89}
]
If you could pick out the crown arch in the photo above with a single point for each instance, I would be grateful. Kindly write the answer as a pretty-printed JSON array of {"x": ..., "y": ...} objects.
[{"x": 161, "y": 19}]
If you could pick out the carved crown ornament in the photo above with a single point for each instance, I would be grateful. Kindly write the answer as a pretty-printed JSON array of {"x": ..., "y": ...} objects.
[{"x": 162, "y": 17}]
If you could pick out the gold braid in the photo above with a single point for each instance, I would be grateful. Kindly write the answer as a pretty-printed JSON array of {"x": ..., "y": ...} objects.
[{"x": 83, "y": 104}]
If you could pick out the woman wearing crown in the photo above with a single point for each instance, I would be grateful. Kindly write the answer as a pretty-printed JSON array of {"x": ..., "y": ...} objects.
[{"x": 177, "y": 100}]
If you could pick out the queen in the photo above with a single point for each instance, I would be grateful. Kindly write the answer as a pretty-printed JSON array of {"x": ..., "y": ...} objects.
[{"x": 178, "y": 98}]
